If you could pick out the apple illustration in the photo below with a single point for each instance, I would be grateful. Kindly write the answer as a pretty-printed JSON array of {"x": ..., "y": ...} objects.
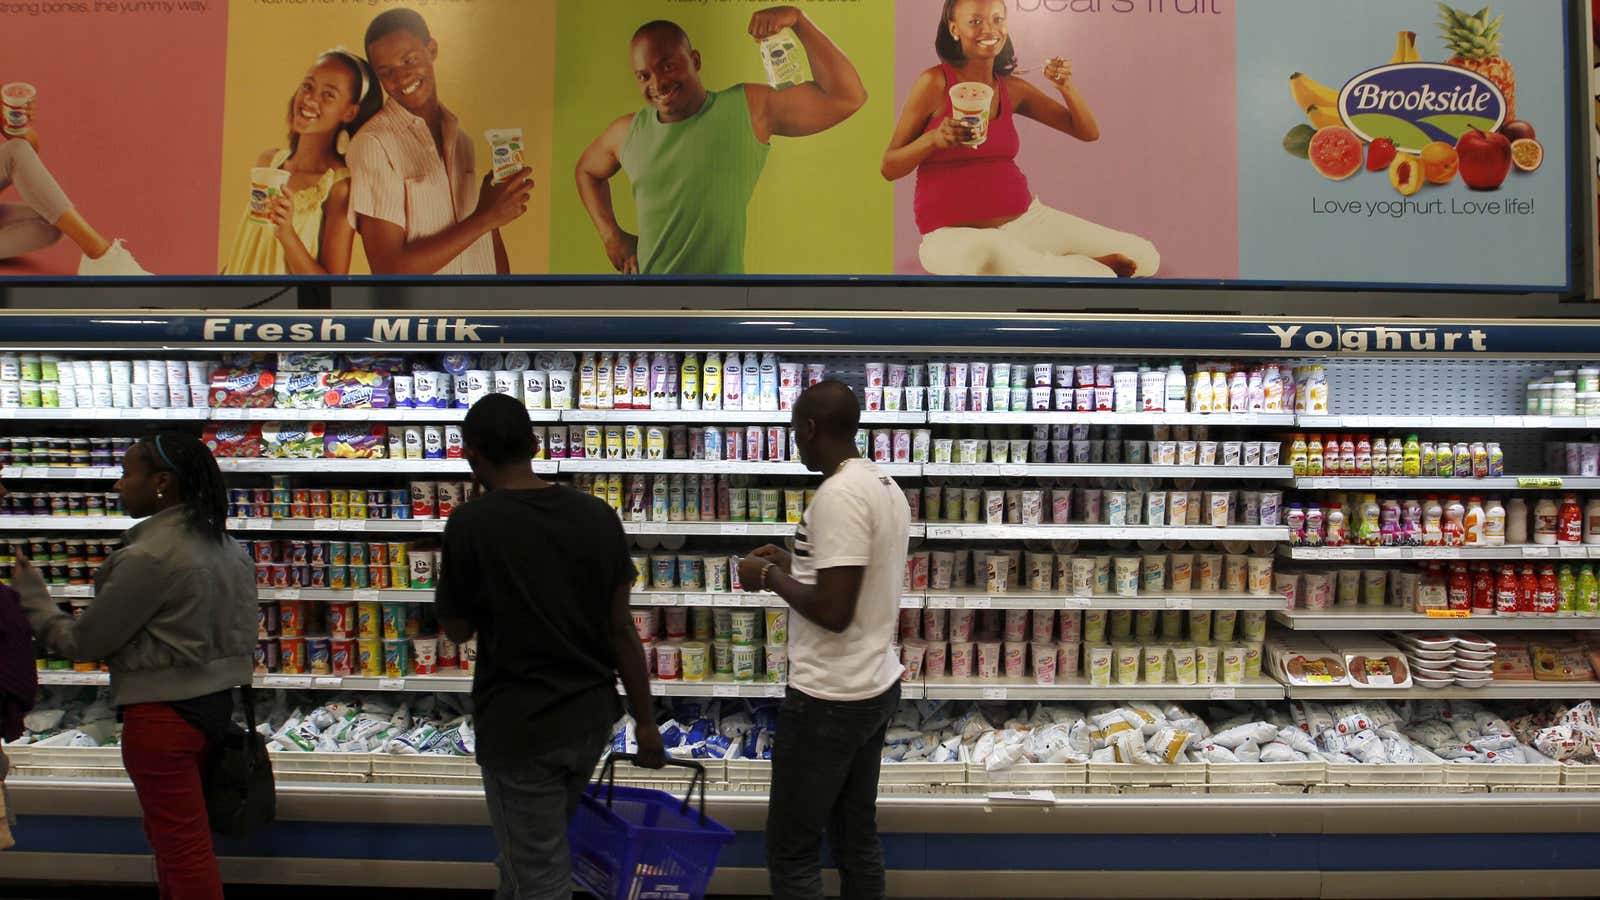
[{"x": 1485, "y": 159}]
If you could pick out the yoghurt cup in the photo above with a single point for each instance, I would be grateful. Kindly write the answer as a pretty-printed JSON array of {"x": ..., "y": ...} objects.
[
  {"x": 14, "y": 101},
  {"x": 266, "y": 185},
  {"x": 1100, "y": 665},
  {"x": 969, "y": 103}
]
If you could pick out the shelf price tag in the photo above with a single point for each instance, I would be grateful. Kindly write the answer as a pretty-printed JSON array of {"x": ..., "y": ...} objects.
[
  {"x": 328, "y": 682},
  {"x": 286, "y": 681},
  {"x": 1387, "y": 553},
  {"x": 734, "y": 528},
  {"x": 1180, "y": 603},
  {"x": 365, "y": 595},
  {"x": 391, "y": 684},
  {"x": 665, "y": 600},
  {"x": 324, "y": 524},
  {"x": 1535, "y": 552},
  {"x": 258, "y": 524},
  {"x": 775, "y": 690},
  {"x": 1537, "y": 422},
  {"x": 285, "y": 594},
  {"x": 1539, "y": 481},
  {"x": 83, "y": 472},
  {"x": 909, "y": 602},
  {"x": 78, "y": 590},
  {"x": 1013, "y": 471},
  {"x": 978, "y": 603},
  {"x": 1076, "y": 603},
  {"x": 227, "y": 415},
  {"x": 352, "y": 524},
  {"x": 1449, "y": 613},
  {"x": 1574, "y": 552},
  {"x": 1224, "y": 693},
  {"x": 724, "y": 690},
  {"x": 942, "y": 533},
  {"x": 994, "y": 693}
]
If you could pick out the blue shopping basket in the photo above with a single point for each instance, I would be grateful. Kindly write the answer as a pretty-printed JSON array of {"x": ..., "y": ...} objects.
[{"x": 638, "y": 844}]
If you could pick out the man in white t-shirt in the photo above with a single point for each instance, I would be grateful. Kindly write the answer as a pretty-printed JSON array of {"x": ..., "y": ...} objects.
[{"x": 843, "y": 584}]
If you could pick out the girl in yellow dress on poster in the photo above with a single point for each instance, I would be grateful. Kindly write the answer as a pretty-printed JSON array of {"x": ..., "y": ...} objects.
[{"x": 310, "y": 231}]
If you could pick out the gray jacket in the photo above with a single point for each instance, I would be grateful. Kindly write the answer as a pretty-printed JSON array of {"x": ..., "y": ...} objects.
[{"x": 173, "y": 616}]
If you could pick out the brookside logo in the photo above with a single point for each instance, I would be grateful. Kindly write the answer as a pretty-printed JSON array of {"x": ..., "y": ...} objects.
[{"x": 1416, "y": 104}]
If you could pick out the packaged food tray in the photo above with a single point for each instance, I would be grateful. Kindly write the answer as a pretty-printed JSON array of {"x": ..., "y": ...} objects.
[
  {"x": 1502, "y": 775},
  {"x": 1289, "y": 773},
  {"x": 1131, "y": 774},
  {"x": 1043, "y": 776},
  {"x": 1391, "y": 774}
]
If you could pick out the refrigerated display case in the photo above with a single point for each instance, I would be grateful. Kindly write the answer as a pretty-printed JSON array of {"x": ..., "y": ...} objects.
[{"x": 1084, "y": 531}]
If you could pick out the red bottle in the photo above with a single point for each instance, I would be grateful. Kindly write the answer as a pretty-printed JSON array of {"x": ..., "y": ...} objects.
[
  {"x": 1330, "y": 455},
  {"x": 1363, "y": 455},
  {"x": 1569, "y": 522},
  {"x": 1505, "y": 592},
  {"x": 1347, "y": 455},
  {"x": 1460, "y": 588},
  {"x": 1482, "y": 590},
  {"x": 1548, "y": 601},
  {"x": 1527, "y": 592}
]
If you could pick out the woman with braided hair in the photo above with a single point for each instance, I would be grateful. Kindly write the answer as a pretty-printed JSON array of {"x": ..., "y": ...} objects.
[{"x": 174, "y": 617}]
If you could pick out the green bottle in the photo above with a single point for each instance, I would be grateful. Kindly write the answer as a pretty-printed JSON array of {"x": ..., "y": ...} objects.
[
  {"x": 1567, "y": 590},
  {"x": 1588, "y": 592},
  {"x": 1411, "y": 459}
]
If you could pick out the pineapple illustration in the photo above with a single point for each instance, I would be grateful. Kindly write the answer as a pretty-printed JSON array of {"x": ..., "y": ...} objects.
[{"x": 1475, "y": 40}]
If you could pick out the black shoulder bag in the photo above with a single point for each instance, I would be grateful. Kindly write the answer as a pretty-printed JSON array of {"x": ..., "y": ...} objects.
[{"x": 240, "y": 795}]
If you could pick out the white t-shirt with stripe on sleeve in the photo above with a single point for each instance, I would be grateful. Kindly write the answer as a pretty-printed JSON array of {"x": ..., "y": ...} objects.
[{"x": 859, "y": 518}]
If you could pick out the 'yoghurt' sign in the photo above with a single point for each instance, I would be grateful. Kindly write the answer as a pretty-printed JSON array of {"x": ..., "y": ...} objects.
[{"x": 1415, "y": 104}]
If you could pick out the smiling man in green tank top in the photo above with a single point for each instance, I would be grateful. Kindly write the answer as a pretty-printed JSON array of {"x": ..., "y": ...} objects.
[{"x": 694, "y": 156}]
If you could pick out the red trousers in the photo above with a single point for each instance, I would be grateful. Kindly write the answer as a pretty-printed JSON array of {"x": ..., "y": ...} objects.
[{"x": 164, "y": 755}]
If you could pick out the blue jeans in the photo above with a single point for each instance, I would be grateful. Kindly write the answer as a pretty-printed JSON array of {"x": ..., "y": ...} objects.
[
  {"x": 825, "y": 761},
  {"x": 529, "y": 806}
]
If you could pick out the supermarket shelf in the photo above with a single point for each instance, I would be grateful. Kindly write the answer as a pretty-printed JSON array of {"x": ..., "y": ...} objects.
[
  {"x": 447, "y": 684},
  {"x": 727, "y": 529},
  {"x": 1494, "y": 422},
  {"x": 1029, "y": 600},
  {"x": 394, "y": 526},
  {"x": 1108, "y": 418},
  {"x": 399, "y": 416},
  {"x": 66, "y": 523},
  {"x": 320, "y": 595},
  {"x": 61, "y": 472},
  {"x": 1372, "y": 619},
  {"x": 701, "y": 466},
  {"x": 1335, "y": 554},
  {"x": 354, "y": 466},
  {"x": 957, "y": 531},
  {"x": 1459, "y": 485},
  {"x": 95, "y": 415},
  {"x": 722, "y": 416},
  {"x": 1517, "y": 690},
  {"x": 946, "y": 688},
  {"x": 758, "y": 600},
  {"x": 1052, "y": 470}
]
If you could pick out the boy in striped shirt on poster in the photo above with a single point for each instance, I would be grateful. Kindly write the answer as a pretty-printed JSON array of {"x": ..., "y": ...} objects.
[{"x": 413, "y": 196}]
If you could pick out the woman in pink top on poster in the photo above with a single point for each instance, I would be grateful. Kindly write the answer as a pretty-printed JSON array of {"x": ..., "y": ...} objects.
[{"x": 973, "y": 206}]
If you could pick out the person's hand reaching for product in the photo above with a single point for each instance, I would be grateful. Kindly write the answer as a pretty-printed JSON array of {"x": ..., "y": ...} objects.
[
  {"x": 23, "y": 572},
  {"x": 652, "y": 752},
  {"x": 623, "y": 251},
  {"x": 768, "y": 22},
  {"x": 501, "y": 204},
  {"x": 1059, "y": 71},
  {"x": 752, "y": 568}
]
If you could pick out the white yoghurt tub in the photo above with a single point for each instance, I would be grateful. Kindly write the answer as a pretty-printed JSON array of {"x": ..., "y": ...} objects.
[
  {"x": 1208, "y": 663},
  {"x": 1153, "y": 573},
  {"x": 1253, "y": 625},
  {"x": 1349, "y": 589},
  {"x": 1127, "y": 576},
  {"x": 1101, "y": 662},
  {"x": 1233, "y": 664},
  {"x": 1178, "y": 508},
  {"x": 1223, "y": 624},
  {"x": 1260, "y": 576},
  {"x": 1185, "y": 666},
  {"x": 961, "y": 624},
  {"x": 561, "y": 395},
  {"x": 989, "y": 660},
  {"x": 997, "y": 573},
  {"x": 1045, "y": 661},
  {"x": 1316, "y": 590},
  {"x": 1015, "y": 656},
  {"x": 1116, "y": 508},
  {"x": 936, "y": 662},
  {"x": 1126, "y": 663},
  {"x": 1155, "y": 663},
  {"x": 1288, "y": 585},
  {"x": 1016, "y": 627},
  {"x": 1094, "y": 626},
  {"x": 1220, "y": 508}
]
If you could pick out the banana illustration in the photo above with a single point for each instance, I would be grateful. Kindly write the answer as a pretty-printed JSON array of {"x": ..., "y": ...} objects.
[
  {"x": 1309, "y": 92},
  {"x": 1322, "y": 117},
  {"x": 1405, "y": 50}
]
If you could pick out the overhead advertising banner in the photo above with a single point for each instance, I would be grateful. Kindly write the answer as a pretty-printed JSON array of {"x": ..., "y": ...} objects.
[{"x": 1386, "y": 143}]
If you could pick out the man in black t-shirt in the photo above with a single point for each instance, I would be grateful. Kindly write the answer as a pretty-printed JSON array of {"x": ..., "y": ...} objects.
[{"x": 542, "y": 575}]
